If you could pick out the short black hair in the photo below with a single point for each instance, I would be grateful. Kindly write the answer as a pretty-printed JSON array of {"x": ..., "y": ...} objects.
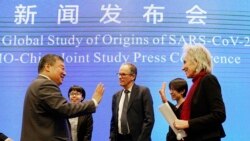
[
  {"x": 179, "y": 84},
  {"x": 78, "y": 89},
  {"x": 48, "y": 59}
]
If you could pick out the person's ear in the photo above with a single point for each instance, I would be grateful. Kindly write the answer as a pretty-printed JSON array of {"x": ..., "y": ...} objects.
[
  {"x": 47, "y": 67},
  {"x": 182, "y": 92}
]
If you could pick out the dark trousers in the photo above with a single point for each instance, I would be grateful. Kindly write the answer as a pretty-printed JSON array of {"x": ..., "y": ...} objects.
[
  {"x": 213, "y": 139},
  {"x": 121, "y": 137}
]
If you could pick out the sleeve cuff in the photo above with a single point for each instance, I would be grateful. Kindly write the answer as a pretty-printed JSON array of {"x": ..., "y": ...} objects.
[{"x": 96, "y": 104}]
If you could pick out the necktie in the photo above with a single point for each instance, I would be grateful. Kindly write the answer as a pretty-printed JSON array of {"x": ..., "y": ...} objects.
[{"x": 124, "y": 121}]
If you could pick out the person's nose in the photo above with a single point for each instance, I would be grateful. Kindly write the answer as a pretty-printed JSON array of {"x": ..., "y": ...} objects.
[
  {"x": 183, "y": 68},
  {"x": 64, "y": 73}
]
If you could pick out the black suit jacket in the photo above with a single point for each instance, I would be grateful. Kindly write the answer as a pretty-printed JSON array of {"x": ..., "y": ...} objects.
[
  {"x": 85, "y": 127},
  {"x": 207, "y": 111},
  {"x": 3, "y": 137},
  {"x": 46, "y": 112},
  {"x": 171, "y": 136},
  {"x": 140, "y": 114}
]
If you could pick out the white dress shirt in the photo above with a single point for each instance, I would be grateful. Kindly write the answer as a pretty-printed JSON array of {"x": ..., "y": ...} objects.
[
  {"x": 120, "y": 109},
  {"x": 73, "y": 123}
]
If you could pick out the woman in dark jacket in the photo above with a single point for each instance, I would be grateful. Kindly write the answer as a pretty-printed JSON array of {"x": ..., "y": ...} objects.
[
  {"x": 82, "y": 126},
  {"x": 178, "y": 89},
  {"x": 203, "y": 111}
]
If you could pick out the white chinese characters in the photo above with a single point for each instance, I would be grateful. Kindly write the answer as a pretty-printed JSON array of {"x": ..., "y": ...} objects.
[{"x": 112, "y": 13}]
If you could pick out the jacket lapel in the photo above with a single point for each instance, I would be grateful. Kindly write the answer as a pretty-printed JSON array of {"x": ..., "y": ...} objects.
[
  {"x": 118, "y": 98},
  {"x": 79, "y": 122},
  {"x": 133, "y": 93}
]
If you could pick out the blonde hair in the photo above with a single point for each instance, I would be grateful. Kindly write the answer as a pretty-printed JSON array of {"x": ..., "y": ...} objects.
[{"x": 200, "y": 54}]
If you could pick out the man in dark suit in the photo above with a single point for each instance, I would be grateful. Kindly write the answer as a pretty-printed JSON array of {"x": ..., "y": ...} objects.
[
  {"x": 46, "y": 111},
  {"x": 136, "y": 121}
]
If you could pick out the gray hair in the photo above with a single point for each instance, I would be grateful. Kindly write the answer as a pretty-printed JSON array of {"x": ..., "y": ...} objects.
[{"x": 200, "y": 54}]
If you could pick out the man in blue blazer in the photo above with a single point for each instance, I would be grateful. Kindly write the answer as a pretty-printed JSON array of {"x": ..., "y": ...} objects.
[
  {"x": 139, "y": 113},
  {"x": 46, "y": 111}
]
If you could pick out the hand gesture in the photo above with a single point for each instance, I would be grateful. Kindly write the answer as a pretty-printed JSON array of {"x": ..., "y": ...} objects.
[
  {"x": 163, "y": 93},
  {"x": 98, "y": 94}
]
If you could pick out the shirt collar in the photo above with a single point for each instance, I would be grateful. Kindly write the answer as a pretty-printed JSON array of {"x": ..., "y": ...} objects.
[
  {"x": 130, "y": 88},
  {"x": 44, "y": 76}
]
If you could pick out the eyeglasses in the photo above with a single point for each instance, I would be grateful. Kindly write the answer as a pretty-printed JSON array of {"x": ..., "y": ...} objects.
[
  {"x": 75, "y": 93},
  {"x": 123, "y": 74}
]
